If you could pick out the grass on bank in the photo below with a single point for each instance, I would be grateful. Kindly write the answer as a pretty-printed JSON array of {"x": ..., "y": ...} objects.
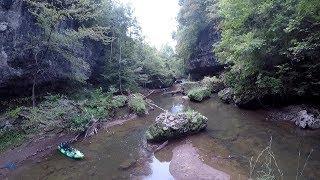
[
  {"x": 57, "y": 113},
  {"x": 10, "y": 139},
  {"x": 266, "y": 167}
]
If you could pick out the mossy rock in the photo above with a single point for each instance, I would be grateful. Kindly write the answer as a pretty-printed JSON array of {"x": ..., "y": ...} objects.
[
  {"x": 214, "y": 84},
  {"x": 199, "y": 94},
  {"x": 137, "y": 104},
  {"x": 226, "y": 95},
  {"x": 168, "y": 125}
]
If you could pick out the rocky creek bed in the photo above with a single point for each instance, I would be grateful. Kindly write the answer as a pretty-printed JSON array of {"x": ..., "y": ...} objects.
[{"x": 231, "y": 138}]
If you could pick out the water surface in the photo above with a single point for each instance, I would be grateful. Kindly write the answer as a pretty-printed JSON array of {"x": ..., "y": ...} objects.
[{"x": 232, "y": 137}]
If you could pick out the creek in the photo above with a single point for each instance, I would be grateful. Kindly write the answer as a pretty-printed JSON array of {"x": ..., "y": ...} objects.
[{"x": 232, "y": 137}]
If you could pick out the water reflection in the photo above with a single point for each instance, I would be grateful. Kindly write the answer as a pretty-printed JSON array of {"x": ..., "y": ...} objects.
[
  {"x": 160, "y": 170},
  {"x": 231, "y": 132},
  {"x": 177, "y": 108}
]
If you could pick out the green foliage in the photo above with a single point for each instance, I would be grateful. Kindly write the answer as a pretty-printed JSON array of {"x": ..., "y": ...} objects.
[
  {"x": 10, "y": 139},
  {"x": 65, "y": 42},
  {"x": 99, "y": 104},
  {"x": 214, "y": 84},
  {"x": 273, "y": 46},
  {"x": 57, "y": 112},
  {"x": 119, "y": 101},
  {"x": 129, "y": 62},
  {"x": 199, "y": 93},
  {"x": 52, "y": 112},
  {"x": 14, "y": 114},
  {"x": 189, "y": 85},
  {"x": 137, "y": 104},
  {"x": 194, "y": 16}
]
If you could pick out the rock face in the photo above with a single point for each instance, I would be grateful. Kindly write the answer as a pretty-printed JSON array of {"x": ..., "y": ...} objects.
[
  {"x": 203, "y": 61},
  {"x": 246, "y": 101},
  {"x": 226, "y": 95},
  {"x": 168, "y": 125},
  {"x": 16, "y": 27},
  {"x": 302, "y": 116},
  {"x": 186, "y": 165}
]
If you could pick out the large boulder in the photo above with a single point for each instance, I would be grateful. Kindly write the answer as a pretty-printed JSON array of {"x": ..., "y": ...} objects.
[
  {"x": 168, "y": 125},
  {"x": 226, "y": 95},
  {"x": 305, "y": 119}
]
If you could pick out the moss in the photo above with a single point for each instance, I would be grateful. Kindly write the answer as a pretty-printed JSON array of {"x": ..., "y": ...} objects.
[
  {"x": 161, "y": 132},
  {"x": 199, "y": 94},
  {"x": 137, "y": 104}
]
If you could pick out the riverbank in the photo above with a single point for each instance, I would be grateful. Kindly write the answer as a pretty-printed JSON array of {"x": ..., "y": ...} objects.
[
  {"x": 56, "y": 120},
  {"x": 304, "y": 114},
  {"x": 232, "y": 137}
]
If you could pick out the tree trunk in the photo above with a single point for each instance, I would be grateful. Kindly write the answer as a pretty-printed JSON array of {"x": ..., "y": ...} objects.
[{"x": 119, "y": 72}]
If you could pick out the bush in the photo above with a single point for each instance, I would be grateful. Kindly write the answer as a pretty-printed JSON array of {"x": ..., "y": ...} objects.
[
  {"x": 189, "y": 85},
  {"x": 9, "y": 139},
  {"x": 14, "y": 114},
  {"x": 119, "y": 101},
  {"x": 214, "y": 84},
  {"x": 99, "y": 104},
  {"x": 61, "y": 112},
  {"x": 199, "y": 94},
  {"x": 137, "y": 104}
]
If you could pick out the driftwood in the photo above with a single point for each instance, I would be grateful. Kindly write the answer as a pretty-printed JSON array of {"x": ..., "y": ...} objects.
[
  {"x": 173, "y": 92},
  {"x": 146, "y": 96},
  {"x": 152, "y": 104},
  {"x": 163, "y": 145}
]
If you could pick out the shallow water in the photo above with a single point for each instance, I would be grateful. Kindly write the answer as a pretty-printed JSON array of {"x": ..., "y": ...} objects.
[{"x": 232, "y": 137}]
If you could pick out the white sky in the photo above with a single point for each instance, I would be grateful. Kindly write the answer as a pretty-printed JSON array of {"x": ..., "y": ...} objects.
[{"x": 157, "y": 19}]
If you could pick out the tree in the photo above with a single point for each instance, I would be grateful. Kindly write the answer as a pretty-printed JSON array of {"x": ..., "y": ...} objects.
[
  {"x": 274, "y": 46},
  {"x": 64, "y": 42}
]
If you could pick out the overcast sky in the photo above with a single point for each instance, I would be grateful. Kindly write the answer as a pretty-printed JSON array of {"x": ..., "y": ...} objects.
[{"x": 157, "y": 19}]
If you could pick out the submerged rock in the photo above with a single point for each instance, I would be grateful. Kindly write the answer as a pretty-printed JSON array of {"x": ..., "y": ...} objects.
[
  {"x": 168, "y": 125},
  {"x": 302, "y": 116},
  {"x": 186, "y": 164},
  {"x": 226, "y": 95},
  {"x": 127, "y": 164}
]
